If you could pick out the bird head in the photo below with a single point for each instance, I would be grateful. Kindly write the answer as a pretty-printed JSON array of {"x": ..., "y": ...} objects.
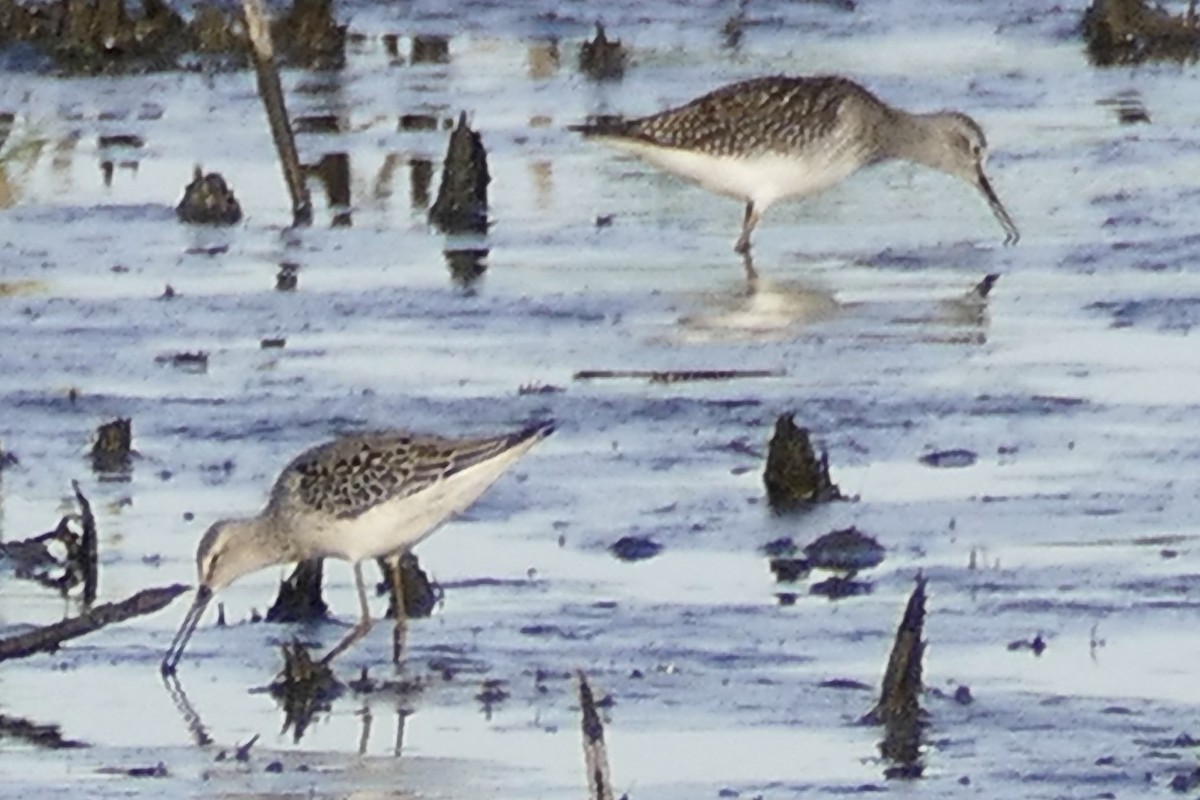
[
  {"x": 228, "y": 550},
  {"x": 956, "y": 145}
]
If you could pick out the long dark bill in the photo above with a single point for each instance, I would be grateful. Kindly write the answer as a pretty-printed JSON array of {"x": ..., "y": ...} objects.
[
  {"x": 1012, "y": 235},
  {"x": 173, "y": 654}
]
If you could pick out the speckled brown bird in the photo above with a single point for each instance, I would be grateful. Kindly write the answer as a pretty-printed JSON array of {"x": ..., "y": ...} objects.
[
  {"x": 770, "y": 139},
  {"x": 357, "y": 497}
]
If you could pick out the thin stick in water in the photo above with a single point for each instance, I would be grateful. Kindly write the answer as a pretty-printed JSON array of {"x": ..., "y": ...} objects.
[{"x": 269, "y": 89}]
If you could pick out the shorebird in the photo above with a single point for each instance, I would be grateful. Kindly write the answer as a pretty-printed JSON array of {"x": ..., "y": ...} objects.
[
  {"x": 768, "y": 139},
  {"x": 357, "y": 497}
]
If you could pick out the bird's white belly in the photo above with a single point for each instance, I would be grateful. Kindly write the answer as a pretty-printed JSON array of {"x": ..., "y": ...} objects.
[
  {"x": 763, "y": 179},
  {"x": 400, "y": 524}
]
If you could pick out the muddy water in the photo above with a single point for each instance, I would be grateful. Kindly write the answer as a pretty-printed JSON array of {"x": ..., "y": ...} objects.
[{"x": 1075, "y": 385}]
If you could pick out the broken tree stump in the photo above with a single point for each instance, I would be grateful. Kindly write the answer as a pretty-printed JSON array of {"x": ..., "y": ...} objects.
[
  {"x": 299, "y": 598},
  {"x": 899, "y": 706},
  {"x": 602, "y": 59},
  {"x": 595, "y": 754},
  {"x": 462, "y": 199},
  {"x": 900, "y": 694},
  {"x": 208, "y": 200},
  {"x": 795, "y": 477},
  {"x": 112, "y": 452}
]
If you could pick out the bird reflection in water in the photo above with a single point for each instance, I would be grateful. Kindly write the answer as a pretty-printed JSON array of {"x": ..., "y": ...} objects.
[{"x": 760, "y": 309}]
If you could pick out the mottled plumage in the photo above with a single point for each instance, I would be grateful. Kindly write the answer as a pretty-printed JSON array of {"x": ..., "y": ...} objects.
[
  {"x": 348, "y": 476},
  {"x": 363, "y": 496},
  {"x": 765, "y": 115},
  {"x": 769, "y": 139}
]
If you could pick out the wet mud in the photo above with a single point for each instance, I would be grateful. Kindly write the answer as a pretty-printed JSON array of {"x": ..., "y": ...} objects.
[{"x": 1023, "y": 443}]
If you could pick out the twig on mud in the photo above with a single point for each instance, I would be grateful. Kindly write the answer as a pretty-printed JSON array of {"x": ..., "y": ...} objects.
[
  {"x": 269, "y": 89},
  {"x": 50, "y": 637},
  {"x": 678, "y": 376},
  {"x": 595, "y": 754}
]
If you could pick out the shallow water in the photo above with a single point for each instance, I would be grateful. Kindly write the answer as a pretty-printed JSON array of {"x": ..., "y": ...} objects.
[{"x": 1075, "y": 384}]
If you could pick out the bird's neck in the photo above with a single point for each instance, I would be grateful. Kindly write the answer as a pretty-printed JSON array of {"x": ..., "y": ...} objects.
[
  {"x": 912, "y": 137},
  {"x": 270, "y": 539}
]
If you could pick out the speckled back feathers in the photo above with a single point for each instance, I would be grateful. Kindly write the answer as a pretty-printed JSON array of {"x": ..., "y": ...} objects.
[
  {"x": 775, "y": 114},
  {"x": 351, "y": 475}
]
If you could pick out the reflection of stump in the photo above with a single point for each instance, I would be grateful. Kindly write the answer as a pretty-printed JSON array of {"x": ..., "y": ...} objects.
[
  {"x": 461, "y": 205},
  {"x": 113, "y": 450},
  {"x": 601, "y": 59},
  {"x": 303, "y": 688},
  {"x": 429, "y": 49},
  {"x": 208, "y": 200},
  {"x": 466, "y": 265},
  {"x": 419, "y": 177},
  {"x": 794, "y": 475},
  {"x": 299, "y": 598},
  {"x": 333, "y": 171}
]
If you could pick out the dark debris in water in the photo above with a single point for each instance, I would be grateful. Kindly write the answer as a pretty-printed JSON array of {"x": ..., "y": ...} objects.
[
  {"x": 1036, "y": 645},
  {"x": 158, "y": 770},
  {"x": 839, "y": 588},
  {"x": 846, "y": 550},
  {"x": 1185, "y": 782},
  {"x": 789, "y": 570},
  {"x": 635, "y": 548},
  {"x": 190, "y": 361},
  {"x": 208, "y": 200},
  {"x": 779, "y": 548},
  {"x": 949, "y": 459}
]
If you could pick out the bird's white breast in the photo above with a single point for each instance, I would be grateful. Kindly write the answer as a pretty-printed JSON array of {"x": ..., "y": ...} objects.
[{"x": 762, "y": 178}]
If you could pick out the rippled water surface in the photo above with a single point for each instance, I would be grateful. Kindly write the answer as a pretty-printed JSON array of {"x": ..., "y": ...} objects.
[{"x": 1076, "y": 384}]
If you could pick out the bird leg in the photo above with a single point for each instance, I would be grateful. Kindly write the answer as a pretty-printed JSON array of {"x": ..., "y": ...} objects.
[
  {"x": 748, "y": 222},
  {"x": 400, "y": 631},
  {"x": 363, "y": 625}
]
